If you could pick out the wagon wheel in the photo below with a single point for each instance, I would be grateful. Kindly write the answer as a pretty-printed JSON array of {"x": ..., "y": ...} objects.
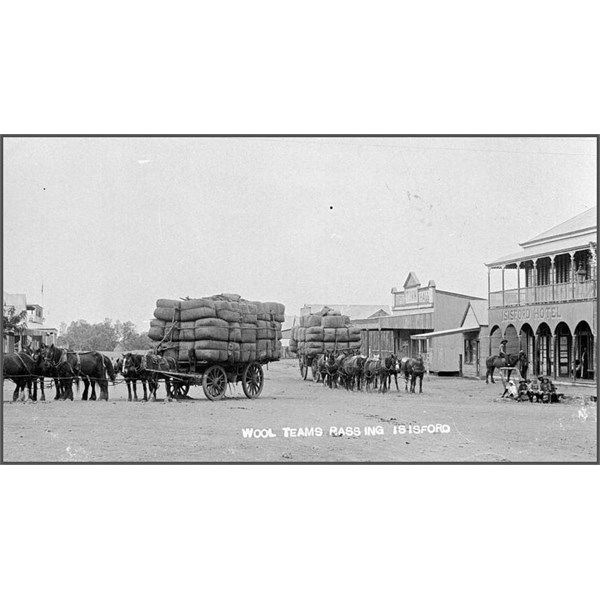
[
  {"x": 252, "y": 380},
  {"x": 214, "y": 382},
  {"x": 315, "y": 370}
]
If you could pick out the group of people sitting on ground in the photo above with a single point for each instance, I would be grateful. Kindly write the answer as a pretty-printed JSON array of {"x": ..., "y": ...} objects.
[{"x": 539, "y": 389}]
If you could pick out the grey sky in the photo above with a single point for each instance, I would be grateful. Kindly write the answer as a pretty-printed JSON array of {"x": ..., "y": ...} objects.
[{"x": 111, "y": 224}]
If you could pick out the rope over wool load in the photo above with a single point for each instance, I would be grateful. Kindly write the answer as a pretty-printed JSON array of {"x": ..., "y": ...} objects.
[{"x": 220, "y": 328}]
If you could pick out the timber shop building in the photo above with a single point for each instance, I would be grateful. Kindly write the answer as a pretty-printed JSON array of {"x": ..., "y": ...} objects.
[{"x": 543, "y": 300}]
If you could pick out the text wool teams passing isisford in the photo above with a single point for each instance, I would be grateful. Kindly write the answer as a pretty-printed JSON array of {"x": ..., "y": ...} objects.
[{"x": 348, "y": 431}]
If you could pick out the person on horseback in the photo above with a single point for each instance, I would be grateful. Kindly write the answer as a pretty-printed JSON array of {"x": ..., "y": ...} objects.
[{"x": 502, "y": 351}]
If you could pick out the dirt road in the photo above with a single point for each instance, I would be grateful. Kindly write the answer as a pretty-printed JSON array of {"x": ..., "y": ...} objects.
[{"x": 454, "y": 420}]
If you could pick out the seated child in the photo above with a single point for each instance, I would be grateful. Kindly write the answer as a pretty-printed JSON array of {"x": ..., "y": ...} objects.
[
  {"x": 511, "y": 390},
  {"x": 523, "y": 391},
  {"x": 534, "y": 389}
]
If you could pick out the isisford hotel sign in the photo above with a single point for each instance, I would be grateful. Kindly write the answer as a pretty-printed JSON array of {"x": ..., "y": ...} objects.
[
  {"x": 570, "y": 313},
  {"x": 539, "y": 313}
]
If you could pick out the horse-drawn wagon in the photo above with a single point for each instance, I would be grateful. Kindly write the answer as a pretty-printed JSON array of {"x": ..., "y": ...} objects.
[
  {"x": 214, "y": 377},
  {"x": 327, "y": 331},
  {"x": 216, "y": 341}
]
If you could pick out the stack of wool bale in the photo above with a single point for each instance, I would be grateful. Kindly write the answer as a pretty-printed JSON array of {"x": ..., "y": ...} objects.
[
  {"x": 325, "y": 331},
  {"x": 222, "y": 328}
]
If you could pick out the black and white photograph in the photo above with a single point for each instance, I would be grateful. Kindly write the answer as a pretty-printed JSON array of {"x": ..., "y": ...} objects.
[{"x": 300, "y": 299}]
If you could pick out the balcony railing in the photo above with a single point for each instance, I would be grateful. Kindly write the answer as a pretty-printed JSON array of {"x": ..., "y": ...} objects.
[{"x": 543, "y": 294}]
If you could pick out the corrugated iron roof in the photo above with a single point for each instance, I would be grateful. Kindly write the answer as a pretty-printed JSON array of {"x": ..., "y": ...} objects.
[
  {"x": 583, "y": 221},
  {"x": 578, "y": 242},
  {"x": 424, "y": 336}
]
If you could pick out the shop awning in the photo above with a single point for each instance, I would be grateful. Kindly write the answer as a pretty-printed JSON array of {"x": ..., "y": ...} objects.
[{"x": 426, "y": 336}]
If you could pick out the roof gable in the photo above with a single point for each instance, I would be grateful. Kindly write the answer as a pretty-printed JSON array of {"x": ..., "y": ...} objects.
[
  {"x": 475, "y": 314},
  {"x": 411, "y": 281}
]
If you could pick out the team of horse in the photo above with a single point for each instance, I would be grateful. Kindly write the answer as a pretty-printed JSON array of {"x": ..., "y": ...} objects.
[
  {"x": 354, "y": 371},
  {"x": 347, "y": 369}
]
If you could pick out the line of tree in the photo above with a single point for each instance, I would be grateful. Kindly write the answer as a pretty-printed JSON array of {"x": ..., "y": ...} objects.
[{"x": 106, "y": 336}]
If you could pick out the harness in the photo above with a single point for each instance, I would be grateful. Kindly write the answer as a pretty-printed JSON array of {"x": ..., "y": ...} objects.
[{"x": 24, "y": 363}]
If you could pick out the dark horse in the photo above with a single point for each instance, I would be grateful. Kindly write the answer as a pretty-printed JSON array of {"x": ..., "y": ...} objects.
[
  {"x": 353, "y": 371},
  {"x": 371, "y": 370},
  {"x": 20, "y": 368},
  {"x": 495, "y": 362},
  {"x": 155, "y": 362},
  {"x": 392, "y": 367},
  {"x": 63, "y": 366},
  {"x": 95, "y": 367},
  {"x": 133, "y": 367},
  {"x": 328, "y": 367},
  {"x": 413, "y": 369}
]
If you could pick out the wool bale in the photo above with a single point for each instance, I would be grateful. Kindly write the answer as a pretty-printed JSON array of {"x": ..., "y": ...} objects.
[
  {"x": 329, "y": 346},
  {"x": 314, "y": 321},
  {"x": 210, "y": 345},
  {"x": 212, "y": 333},
  {"x": 164, "y": 303},
  {"x": 272, "y": 329},
  {"x": 248, "y": 312},
  {"x": 263, "y": 349},
  {"x": 222, "y": 305},
  {"x": 342, "y": 345},
  {"x": 248, "y": 333},
  {"x": 354, "y": 334},
  {"x": 235, "y": 332},
  {"x": 232, "y": 297},
  {"x": 262, "y": 330},
  {"x": 333, "y": 321},
  {"x": 231, "y": 316},
  {"x": 211, "y": 323},
  {"x": 208, "y": 355},
  {"x": 314, "y": 334},
  {"x": 156, "y": 334},
  {"x": 197, "y": 303},
  {"x": 233, "y": 352},
  {"x": 312, "y": 348},
  {"x": 341, "y": 334},
  {"x": 247, "y": 352},
  {"x": 198, "y": 312},
  {"x": 172, "y": 331},
  {"x": 184, "y": 348},
  {"x": 157, "y": 323},
  {"x": 333, "y": 313},
  {"x": 301, "y": 334},
  {"x": 166, "y": 313},
  {"x": 329, "y": 334},
  {"x": 187, "y": 335},
  {"x": 354, "y": 345}
]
